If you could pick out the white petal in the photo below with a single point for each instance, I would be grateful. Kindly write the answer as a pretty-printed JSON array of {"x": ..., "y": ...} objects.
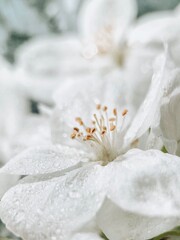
[
  {"x": 138, "y": 73},
  {"x": 34, "y": 131},
  {"x": 86, "y": 236},
  {"x": 85, "y": 94},
  {"x": 56, "y": 207},
  {"x": 170, "y": 118},
  {"x": 117, "y": 223},
  {"x": 44, "y": 159},
  {"x": 96, "y": 15},
  {"x": 162, "y": 84},
  {"x": 154, "y": 28},
  {"x": 6, "y": 182},
  {"x": 147, "y": 183}
]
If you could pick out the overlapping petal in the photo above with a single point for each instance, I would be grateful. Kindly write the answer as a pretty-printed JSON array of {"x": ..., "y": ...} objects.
[
  {"x": 147, "y": 183},
  {"x": 115, "y": 222},
  {"x": 44, "y": 159},
  {"x": 56, "y": 207}
]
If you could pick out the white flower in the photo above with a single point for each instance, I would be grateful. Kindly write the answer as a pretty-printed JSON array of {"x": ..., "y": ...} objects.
[
  {"x": 132, "y": 194},
  {"x": 48, "y": 61},
  {"x": 44, "y": 63},
  {"x": 104, "y": 23}
]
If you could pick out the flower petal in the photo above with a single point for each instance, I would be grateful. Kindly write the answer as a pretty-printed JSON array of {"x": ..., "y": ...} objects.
[
  {"x": 115, "y": 222},
  {"x": 162, "y": 83},
  {"x": 92, "y": 20},
  {"x": 169, "y": 121},
  {"x": 44, "y": 159},
  {"x": 86, "y": 236},
  {"x": 56, "y": 207},
  {"x": 85, "y": 94},
  {"x": 6, "y": 181},
  {"x": 147, "y": 183}
]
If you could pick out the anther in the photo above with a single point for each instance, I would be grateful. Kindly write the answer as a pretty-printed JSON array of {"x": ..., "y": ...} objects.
[
  {"x": 93, "y": 130},
  {"x": 103, "y": 132},
  {"x": 105, "y": 108},
  {"x": 112, "y": 127},
  {"x": 76, "y": 129},
  {"x": 98, "y": 106},
  {"x": 115, "y": 112},
  {"x": 124, "y": 112},
  {"x": 79, "y": 120},
  {"x": 88, "y": 130},
  {"x": 73, "y": 135},
  {"x": 88, "y": 137},
  {"x": 112, "y": 119}
]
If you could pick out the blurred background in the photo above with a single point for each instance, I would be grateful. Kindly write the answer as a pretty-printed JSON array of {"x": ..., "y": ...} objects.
[{"x": 23, "y": 20}]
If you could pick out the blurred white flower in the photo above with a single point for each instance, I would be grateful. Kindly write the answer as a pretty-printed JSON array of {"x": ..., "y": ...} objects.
[
  {"x": 46, "y": 62},
  {"x": 145, "y": 40},
  {"x": 104, "y": 23},
  {"x": 19, "y": 16},
  {"x": 128, "y": 192}
]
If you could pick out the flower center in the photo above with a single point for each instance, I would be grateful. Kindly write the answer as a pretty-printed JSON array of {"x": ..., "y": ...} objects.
[{"x": 104, "y": 136}]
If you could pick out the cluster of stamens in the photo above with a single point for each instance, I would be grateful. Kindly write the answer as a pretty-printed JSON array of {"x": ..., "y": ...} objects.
[{"x": 103, "y": 133}]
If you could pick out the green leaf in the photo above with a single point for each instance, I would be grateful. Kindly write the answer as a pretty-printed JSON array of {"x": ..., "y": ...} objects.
[
  {"x": 164, "y": 150},
  {"x": 104, "y": 236},
  {"x": 171, "y": 233}
]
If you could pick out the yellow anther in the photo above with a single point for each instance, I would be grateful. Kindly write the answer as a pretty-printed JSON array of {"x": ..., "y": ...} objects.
[
  {"x": 124, "y": 112},
  {"x": 93, "y": 130},
  {"x": 112, "y": 119},
  {"x": 98, "y": 106},
  {"x": 103, "y": 132},
  {"x": 115, "y": 112},
  {"x": 88, "y": 137},
  {"x": 73, "y": 135},
  {"x": 88, "y": 130},
  {"x": 76, "y": 129},
  {"x": 112, "y": 127},
  {"x": 79, "y": 120},
  {"x": 105, "y": 108}
]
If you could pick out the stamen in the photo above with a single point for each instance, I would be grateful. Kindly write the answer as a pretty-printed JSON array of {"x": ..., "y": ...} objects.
[{"x": 104, "y": 135}]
